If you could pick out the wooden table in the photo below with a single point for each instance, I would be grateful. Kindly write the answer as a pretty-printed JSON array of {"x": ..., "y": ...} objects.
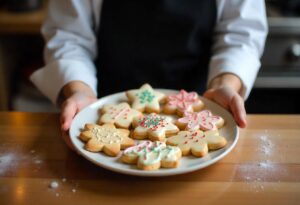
[{"x": 263, "y": 168}]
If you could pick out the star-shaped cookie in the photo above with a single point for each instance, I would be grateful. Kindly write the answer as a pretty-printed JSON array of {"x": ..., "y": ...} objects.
[
  {"x": 121, "y": 115},
  {"x": 203, "y": 120},
  {"x": 145, "y": 99},
  {"x": 154, "y": 127},
  {"x": 197, "y": 143},
  {"x": 106, "y": 138}
]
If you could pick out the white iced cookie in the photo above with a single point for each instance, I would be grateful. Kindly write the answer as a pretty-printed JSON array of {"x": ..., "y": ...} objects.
[
  {"x": 154, "y": 127},
  {"x": 121, "y": 115},
  {"x": 197, "y": 143},
  {"x": 145, "y": 99},
  {"x": 150, "y": 155}
]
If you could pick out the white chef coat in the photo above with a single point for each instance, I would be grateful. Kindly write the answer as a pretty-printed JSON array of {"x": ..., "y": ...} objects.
[{"x": 71, "y": 48}]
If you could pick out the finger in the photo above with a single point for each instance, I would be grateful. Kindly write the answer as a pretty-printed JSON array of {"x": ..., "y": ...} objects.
[
  {"x": 68, "y": 112},
  {"x": 67, "y": 140},
  {"x": 209, "y": 94},
  {"x": 237, "y": 108}
]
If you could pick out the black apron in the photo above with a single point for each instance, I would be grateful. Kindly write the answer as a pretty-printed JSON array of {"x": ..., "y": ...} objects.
[{"x": 166, "y": 43}]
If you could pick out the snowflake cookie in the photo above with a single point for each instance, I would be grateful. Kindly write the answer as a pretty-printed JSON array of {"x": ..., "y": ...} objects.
[
  {"x": 121, "y": 115},
  {"x": 153, "y": 126},
  {"x": 145, "y": 99},
  {"x": 150, "y": 155},
  {"x": 203, "y": 120},
  {"x": 183, "y": 102},
  {"x": 106, "y": 138},
  {"x": 197, "y": 143}
]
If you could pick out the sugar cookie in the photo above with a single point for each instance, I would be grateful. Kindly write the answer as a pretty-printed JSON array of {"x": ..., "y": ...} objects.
[
  {"x": 106, "y": 138},
  {"x": 203, "y": 120},
  {"x": 150, "y": 155},
  {"x": 121, "y": 115},
  {"x": 198, "y": 143},
  {"x": 183, "y": 102},
  {"x": 154, "y": 127},
  {"x": 145, "y": 99}
]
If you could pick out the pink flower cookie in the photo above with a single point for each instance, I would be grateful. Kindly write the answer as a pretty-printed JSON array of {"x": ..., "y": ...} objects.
[
  {"x": 152, "y": 155},
  {"x": 203, "y": 120},
  {"x": 183, "y": 102},
  {"x": 121, "y": 115},
  {"x": 145, "y": 99},
  {"x": 154, "y": 127},
  {"x": 197, "y": 143}
]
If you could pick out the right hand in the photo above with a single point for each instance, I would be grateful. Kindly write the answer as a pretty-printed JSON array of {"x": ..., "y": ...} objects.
[
  {"x": 76, "y": 95},
  {"x": 72, "y": 105}
]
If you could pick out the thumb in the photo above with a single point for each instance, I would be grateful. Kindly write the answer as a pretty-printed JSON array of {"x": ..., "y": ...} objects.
[{"x": 68, "y": 112}]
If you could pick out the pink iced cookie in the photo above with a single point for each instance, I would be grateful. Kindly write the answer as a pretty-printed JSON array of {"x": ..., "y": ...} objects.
[
  {"x": 183, "y": 102},
  {"x": 203, "y": 120},
  {"x": 121, "y": 115}
]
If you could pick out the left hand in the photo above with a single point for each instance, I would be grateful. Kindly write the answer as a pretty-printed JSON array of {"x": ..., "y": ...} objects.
[
  {"x": 224, "y": 90},
  {"x": 230, "y": 100}
]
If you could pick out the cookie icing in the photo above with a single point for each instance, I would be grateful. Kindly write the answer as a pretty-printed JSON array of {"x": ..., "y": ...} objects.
[
  {"x": 155, "y": 127},
  {"x": 106, "y": 138},
  {"x": 146, "y": 96},
  {"x": 197, "y": 142},
  {"x": 153, "y": 152},
  {"x": 106, "y": 135},
  {"x": 203, "y": 120},
  {"x": 121, "y": 115},
  {"x": 145, "y": 99},
  {"x": 183, "y": 100},
  {"x": 153, "y": 122}
]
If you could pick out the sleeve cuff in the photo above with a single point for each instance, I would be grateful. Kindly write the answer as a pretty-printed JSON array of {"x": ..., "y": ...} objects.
[
  {"x": 244, "y": 65},
  {"x": 51, "y": 78}
]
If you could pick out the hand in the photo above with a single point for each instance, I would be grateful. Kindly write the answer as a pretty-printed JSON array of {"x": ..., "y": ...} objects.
[
  {"x": 72, "y": 105},
  {"x": 230, "y": 100},
  {"x": 76, "y": 96},
  {"x": 224, "y": 90}
]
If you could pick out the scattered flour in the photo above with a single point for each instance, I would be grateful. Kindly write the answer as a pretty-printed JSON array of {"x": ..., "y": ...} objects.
[
  {"x": 38, "y": 161},
  {"x": 54, "y": 185},
  {"x": 266, "y": 165},
  {"x": 7, "y": 161},
  {"x": 256, "y": 174},
  {"x": 266, "y": 145}
]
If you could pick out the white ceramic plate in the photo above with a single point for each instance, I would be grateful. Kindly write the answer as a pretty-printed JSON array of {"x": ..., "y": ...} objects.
[{"x": 187, "y": 164}]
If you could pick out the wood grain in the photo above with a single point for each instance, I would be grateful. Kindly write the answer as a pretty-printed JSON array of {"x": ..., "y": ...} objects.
[{"x": 263, "y": 168}]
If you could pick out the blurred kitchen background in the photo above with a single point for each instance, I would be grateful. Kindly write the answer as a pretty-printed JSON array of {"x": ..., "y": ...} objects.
[{"x": 277, "y": 88}]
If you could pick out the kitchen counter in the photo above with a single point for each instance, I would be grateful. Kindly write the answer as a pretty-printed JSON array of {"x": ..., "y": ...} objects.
[{"x": 263, "y": 168}]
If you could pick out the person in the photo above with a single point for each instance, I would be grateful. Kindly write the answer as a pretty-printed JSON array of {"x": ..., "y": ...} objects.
[{"x": 97, "y": 47}]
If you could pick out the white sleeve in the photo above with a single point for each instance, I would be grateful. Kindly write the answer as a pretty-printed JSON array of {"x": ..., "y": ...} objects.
[
  {"x": 70, "y": 47},
  {"x": 239, "y": 40}
]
